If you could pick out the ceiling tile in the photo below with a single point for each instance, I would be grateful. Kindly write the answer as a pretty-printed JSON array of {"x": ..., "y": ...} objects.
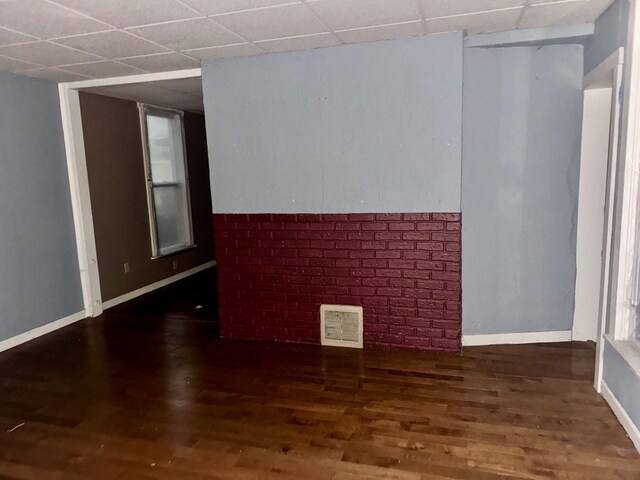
[
  {"x": 45, "y": 20},
  {"x": 563, "y": 13},
  {"x": 7, "y": 37},
  {"x": 274, "y": 22},
  {"x": 383, "y": 32},
  {"x": 53, "y": 74},
  {"x": 225, "y": 51},
  {"x": 444, "y": 8},
  {"x": 113, "y": 44},
  {"x": 46, "y": 54},
  {"x": 209, "y": 7},
  {"x": 162, "y": 62},
  {"x": 152, "y": 93},
  {"x": 102, "y": 69},
  {"x": 496, "y": 21},
  {"x": 188, "y": 34},
  {"x": 128, "y": 13},
  {"x": 346, "y": 15},
  {"x": 11, "y": 65},
  {"x": 190, "y": 86},
  {"x": 299, "y": 43}
]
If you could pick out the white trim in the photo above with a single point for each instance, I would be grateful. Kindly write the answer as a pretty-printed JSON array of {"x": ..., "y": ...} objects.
[
  {"x": 516, "y": 338},
  {"x": 601, "y": 75},
  {"x": 43, "y": 330},
  {"x": 80, "y": 200},
  {"x": 154, "y": 286},
  {"x": 628, "y": 194},
  {"x": 622, "y": 415},
  {"x": 129, "y": 79}
]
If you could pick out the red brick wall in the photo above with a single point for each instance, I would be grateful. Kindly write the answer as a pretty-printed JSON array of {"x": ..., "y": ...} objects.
[{"x": 274, "y": 271}]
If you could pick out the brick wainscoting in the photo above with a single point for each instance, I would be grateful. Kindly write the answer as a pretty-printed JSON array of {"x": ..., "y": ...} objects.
[{"x": 274, "y": 271}]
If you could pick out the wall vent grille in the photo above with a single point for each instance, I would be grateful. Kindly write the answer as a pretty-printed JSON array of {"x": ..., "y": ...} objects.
[{"x": 341, "y": 326}]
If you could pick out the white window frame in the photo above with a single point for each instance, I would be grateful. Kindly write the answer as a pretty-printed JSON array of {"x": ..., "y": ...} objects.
[{"x": 145, "y": 109}]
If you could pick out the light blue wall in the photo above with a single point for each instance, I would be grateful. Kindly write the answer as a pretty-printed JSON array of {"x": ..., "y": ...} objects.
[
  {"x": 622, "y": 381},
  {"x": 610, "y": 34},
  {"x": 520, "y": 165},
  {"x": 374, "y": 127},
  {"x": 39, "y": 276}
]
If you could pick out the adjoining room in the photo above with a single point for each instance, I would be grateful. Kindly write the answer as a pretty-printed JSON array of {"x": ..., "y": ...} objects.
[{"x": 324, "y": 239}]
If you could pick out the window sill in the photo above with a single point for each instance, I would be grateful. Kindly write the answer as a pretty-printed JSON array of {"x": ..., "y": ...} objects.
[
  {"x": 629, "y": 350},
  {"x": 174, "y": 252}
]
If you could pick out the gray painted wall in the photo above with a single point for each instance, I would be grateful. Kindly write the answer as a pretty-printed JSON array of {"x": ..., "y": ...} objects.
[
  {"x": 622, "y": 381},
  {"x": 610, "y": 34},
  {"x": 373, "y": 127},
  {"x": 39, "y": 276},
  {"x": 521, "y": 151}
]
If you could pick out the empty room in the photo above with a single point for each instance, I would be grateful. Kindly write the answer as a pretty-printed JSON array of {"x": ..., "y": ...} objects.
[{"x": 320, "y": 239}]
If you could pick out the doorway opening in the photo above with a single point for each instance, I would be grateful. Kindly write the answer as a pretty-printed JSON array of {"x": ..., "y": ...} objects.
[{"x": 598, "y": 170}]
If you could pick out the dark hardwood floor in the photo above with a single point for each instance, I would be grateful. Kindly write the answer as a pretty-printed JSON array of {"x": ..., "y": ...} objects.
[{"x": 139, "y": 394}]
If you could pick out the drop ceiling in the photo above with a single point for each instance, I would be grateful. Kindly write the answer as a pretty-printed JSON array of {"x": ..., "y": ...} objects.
[
  {"x": 68, "y": 40},
  {"x": 181, "y": 94}
]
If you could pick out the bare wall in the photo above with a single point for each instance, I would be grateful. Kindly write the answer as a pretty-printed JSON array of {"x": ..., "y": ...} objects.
[
  {"x": 115, "y": 163},
  {"x": 39, "y": 275},
  {"x": 373, "y": 127},
  {"x": 520, "y": 167}
]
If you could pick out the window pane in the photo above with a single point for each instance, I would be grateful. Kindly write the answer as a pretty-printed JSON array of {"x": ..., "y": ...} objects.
[
  {"x": 165, "y": 148},
  {"x": 168, "y": 189},
  {"x": 170, "y": 217}
]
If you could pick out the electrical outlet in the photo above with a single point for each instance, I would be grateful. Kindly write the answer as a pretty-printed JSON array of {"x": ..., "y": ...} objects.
[
  {"x": 126, "y": 267},
  {"x": 175, "y": 264}
]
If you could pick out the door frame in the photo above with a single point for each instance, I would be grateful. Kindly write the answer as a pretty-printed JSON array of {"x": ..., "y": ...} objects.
[
  {"x": 609, "y": 74},
  {"x": 79, "y": 178}
]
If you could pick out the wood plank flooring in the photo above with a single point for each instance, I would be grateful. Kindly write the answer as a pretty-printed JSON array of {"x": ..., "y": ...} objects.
[{"x": 159, "y": 396}]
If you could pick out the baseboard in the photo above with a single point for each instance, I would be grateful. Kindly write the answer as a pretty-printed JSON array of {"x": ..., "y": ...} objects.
[
  {"x": 40, "y": 331},
  {"x": 623, "y": 417},
  {"x": 154, "y": 286},
  {"x": 516, "y": 338}
]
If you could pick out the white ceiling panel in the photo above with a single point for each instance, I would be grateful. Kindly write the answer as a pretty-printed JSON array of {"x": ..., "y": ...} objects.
[
  {"x": 157, "y": 93},
  {"x": 225, "y": 51},
  {"x": 343, "y": 15},
  {"x": 446, "y": 8},
  {"x": 12, "y": 65},
  {"x": 113, "y": 44},
  {"x": 477, "y": 22},
  {"x": 128, "y": 13},
  {"x": 190, "y": 86},
  {"x": 102, "y": 69},
  {"x": 45, "y": 20},
  {"x": 8, "y": 37},
  {"x": 562, "y": 13},
  {"x": 164, "y": 35},
  {"x": 54, "y": 74},
  {"x": 162, "y": 62},
  {"x": 276, "y": 22},
  {"x": 383, "y": 32},
  {"x": 46, "y": 54},
  {"x": 188, "y": 34},
  {"x": 213, "y": 7},
  {"x": 300, "y": 43}
]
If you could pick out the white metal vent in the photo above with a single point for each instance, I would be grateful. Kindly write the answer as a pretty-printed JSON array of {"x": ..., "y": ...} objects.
[{"x": 341, "y": 326}]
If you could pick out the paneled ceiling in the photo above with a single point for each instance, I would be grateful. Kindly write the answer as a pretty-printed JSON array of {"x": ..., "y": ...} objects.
[
  {"x": 181, "y": 94},
  {"x": 67, "y": 40}
]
